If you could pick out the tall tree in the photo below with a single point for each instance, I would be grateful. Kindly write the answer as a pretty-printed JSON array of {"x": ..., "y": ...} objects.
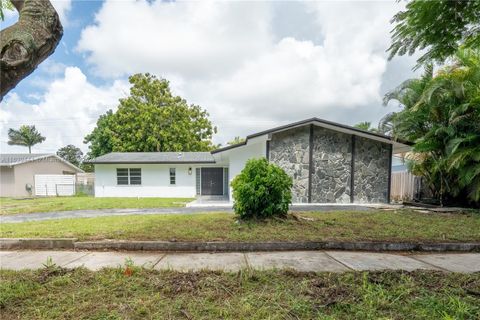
[
  {"x": 367, "y": 126},
  {"x": 24, "y": 45},
  {"x": 151, "y": 119},
  {"x": 438, "y": 27},
  {"x": 441, "y": 114},
  {"x": 25, "y": 136},
  {"x": 236, "y": 140},
  {"x": 71, "y": 154}
]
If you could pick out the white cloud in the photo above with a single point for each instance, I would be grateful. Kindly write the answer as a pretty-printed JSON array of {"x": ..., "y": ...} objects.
[
  {"x": 188, "y": 38},
  {"x": 63, "y": 7},
  {"x": 227, "y": 58},
  {"x": 233, "y": 59},
  {"x": 65, "y": 113}
]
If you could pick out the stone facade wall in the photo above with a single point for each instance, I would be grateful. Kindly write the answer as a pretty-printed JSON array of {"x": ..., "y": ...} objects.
[
  {"x": 331, "y": 165},
  {"x": 332, "y": 161},
  {"x": 371, "y": 171},
  {"x": 290, "y": 150}
]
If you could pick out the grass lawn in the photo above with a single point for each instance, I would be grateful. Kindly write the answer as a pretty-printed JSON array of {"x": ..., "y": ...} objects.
[
  {"x": 30, "y": 205},
  {"x": 401, "y": 225},
  {"x": 53, "y": 293}
]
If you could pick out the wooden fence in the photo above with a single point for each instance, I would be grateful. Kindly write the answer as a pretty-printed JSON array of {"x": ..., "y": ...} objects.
[{"x": 404, "y": 186}]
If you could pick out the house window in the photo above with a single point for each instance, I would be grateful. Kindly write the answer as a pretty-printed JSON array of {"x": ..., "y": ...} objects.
[
  {"x": 172, "y": 176},
  {"x": 126, "y": 176},
  {"x": 122, "y": 176},
  {"x": 135, "y": 176}
]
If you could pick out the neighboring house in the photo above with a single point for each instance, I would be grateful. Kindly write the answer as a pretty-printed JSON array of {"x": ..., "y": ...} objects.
[
  {"x": 17, "y": 172},
  {"x": 329, "y": 163}
]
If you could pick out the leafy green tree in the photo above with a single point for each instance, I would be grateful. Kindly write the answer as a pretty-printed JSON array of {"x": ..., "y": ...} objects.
[
  {"x": 363, "y": 125},
  {"x": 151, "y": 119},
  {"x": 71, "y": 154},
  {"x": 27, "y": 136},
  {"x": 235, "y": 140},
  {"x": 441, "y": 114},
  {"x": 102, "y": 136},
  {"x": 367, "y": 126},
  {"x": 5, "y": 5},
  {"x": 439, "y": 27},
  {"x": 261, "y": 190},
  {"x": 383, "y": 126}
]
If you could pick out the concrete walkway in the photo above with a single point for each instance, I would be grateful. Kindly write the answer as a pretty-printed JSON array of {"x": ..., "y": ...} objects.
[
  {"x": 333, "y": 261},
  {"x": 18, "y": 218}
]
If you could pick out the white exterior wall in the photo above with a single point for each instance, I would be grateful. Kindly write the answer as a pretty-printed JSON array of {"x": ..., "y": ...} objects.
[
  {"x": 155, "y": 181},
  {"x": 156, "y": 177},
  {"x": 237, "y": 157}
]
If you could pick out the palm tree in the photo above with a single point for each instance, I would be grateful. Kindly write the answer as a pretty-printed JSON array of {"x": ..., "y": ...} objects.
[
  {"x": 367, "y": 126},
  {"x": 235, "y": 140},
  {"x": 441, "y": 115},
  {"x": 25, "y": 136}
]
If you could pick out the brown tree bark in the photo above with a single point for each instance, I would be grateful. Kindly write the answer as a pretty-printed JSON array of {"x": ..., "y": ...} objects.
[{"x": 28, "y": 42}]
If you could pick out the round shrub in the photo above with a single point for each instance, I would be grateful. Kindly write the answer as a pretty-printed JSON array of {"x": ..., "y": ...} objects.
[{"x": 261, "y": 190}]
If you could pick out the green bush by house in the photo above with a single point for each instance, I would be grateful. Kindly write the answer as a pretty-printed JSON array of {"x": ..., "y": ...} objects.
[{"x": 261, "y": 190}]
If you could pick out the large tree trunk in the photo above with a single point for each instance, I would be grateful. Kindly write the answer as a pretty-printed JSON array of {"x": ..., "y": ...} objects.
[{"x": 27, "y": 43}]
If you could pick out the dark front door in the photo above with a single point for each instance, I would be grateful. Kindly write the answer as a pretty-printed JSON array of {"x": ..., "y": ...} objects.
[{"x": 212, "y": 181}]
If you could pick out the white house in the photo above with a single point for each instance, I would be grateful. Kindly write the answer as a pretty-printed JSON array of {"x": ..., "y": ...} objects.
[{"x": 329, "y": 163}]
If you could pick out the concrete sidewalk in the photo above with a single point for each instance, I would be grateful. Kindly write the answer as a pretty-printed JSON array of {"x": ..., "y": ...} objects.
[{"x": 318, "y": 261}]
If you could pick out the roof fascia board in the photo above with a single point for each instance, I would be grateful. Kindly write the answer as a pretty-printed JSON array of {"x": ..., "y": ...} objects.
[
  {"x": 26, "y": 161},
  {"x": 322, "y": 123},
  {"x": 42, "y": 158},
  {"x": 150, "y": 162}
]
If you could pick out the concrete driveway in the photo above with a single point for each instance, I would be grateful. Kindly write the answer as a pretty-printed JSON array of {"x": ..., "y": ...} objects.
[{"x": 18, "y": 218}]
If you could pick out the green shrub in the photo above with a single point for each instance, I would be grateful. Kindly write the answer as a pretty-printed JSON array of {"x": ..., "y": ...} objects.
[{"x": 261, "y": 190}]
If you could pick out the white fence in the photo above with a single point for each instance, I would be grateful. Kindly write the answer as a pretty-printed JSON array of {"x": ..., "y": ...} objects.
[
  {"x": 404, "y": 186},
  {"x": 54, "y": 185}
]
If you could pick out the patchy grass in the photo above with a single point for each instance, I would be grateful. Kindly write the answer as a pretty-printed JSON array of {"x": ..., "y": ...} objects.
[
  {"x": 54, "y": 293},
  {"x": 31, "y": 205},
  {"x": 401, "y": 225}
]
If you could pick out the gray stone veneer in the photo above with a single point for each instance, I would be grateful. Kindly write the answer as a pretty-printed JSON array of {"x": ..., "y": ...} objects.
[
  {"x": 331, "y": 165},
  {"x": 332, "y": 160},
  {"x": 290, "y": 150},
  {"x": 371, "y": 171}
]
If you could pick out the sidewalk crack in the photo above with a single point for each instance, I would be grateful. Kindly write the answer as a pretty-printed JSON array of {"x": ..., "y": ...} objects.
[
  {"x": 160, "y": 259},
  {"x": 335, "y": 259},
  {"x": 78, "y": 258},
  {"x": 435, "y": 267}
]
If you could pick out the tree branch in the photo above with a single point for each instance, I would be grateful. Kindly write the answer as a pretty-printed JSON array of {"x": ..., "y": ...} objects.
[{"x": 27, "y": 43}]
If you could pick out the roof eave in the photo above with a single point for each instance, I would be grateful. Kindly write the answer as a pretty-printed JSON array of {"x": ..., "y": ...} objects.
[
  {"x": 150, "y": 162},
  {"x": 233, "y": 146},
  {"x": 389, "y": 139}
]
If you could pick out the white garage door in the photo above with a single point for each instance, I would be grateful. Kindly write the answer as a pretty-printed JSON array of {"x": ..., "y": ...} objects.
[{"x": 54, "y": 185}]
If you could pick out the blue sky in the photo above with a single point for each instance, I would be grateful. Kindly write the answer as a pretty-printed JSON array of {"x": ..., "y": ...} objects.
[
  {"x": 252, "y": 65},
  {"x": 78, "y": 14}
]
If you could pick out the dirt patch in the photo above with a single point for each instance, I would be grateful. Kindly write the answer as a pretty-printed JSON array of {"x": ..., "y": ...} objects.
[
  {"x": 45, "y": 274},
  {"x": 327, "y": 291},
  {"x": 192, "y": 283}
]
